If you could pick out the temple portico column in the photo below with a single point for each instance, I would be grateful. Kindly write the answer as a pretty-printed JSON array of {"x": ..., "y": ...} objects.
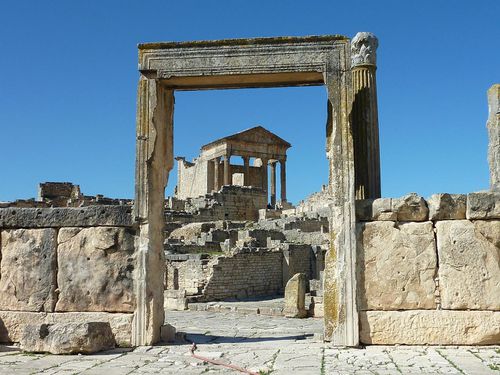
[
  {"x": 216, "y": 173},
  {"x": 273, "y": 183},
  {"x": 246, "y": 175},
  {"x": 264, "y": 175},
  {"x": 227, "y": 169},
  {"x": 365, "y": 116},
  {"x": 283, "y": 180}
]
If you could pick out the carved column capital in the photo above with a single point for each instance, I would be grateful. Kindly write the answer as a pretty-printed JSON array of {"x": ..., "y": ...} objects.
[{"x": 364, "y": 49}]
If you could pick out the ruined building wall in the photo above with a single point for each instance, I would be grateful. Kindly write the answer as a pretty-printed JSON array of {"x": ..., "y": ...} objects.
[
  {"x": 249, "y": 273},
  {"x": 192, "y": 178},
  {"x": 428, "y": 272},
  {"x": 255, "y": 273},
  {"x": 63, "y": 265}
]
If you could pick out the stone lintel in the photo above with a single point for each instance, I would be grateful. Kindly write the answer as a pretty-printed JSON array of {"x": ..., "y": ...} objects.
[
  {"x": 116, "y": 216},
  {"x": 242, "y": 41}
]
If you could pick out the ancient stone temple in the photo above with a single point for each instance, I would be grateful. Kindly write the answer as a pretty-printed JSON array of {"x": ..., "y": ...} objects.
[{"x": 213, "y": 168}]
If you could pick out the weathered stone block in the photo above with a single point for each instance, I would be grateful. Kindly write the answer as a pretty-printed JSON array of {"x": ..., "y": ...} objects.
[
  {"x": 364, "y": 209},
  {"x": 469, "y": 264},
  {"x": 447, "y": 206},
  {"x": 483, "y": 205},
  {"x": 295, "y": 294},
  {"x": 493, "y": 126},
  {"x": 66, "y": 217},
  {"x": 175, "y": 300},
  {"x": 67, "y": 338},
  {"x": 28, "y": 270},
  {"x": 411, "y": 207},
  {"x": 430, "y": 327},
  {"x": 96, "y": 267},
  {"x": 12, "y": 323},
  {"x": 379, "y": 209},
  {"x": 167, "y": 333},
  {"x": 396, "y": 266},
  {"x": 382, "y": 210}
]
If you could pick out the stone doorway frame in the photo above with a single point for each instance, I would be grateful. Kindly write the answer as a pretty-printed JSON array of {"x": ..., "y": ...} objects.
[{"x": 243, "y": 63}]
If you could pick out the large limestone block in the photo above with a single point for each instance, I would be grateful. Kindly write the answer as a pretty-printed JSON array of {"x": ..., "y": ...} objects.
[
  {"x": 12, "y": 323},
  {"x": 14, "y": 217},
  {"x": 67, "y": 338},
  {"x": 396, "y": 266},
  {"x": 469, "y": 264},
  {"x": 483, "y": 205},
  {"x": 96, "y": 268},
  {"x": 295, "y": 295},
  {"x": 28, "y": 270},
  {"x": 411, "y": 207},
  {"x": 447, "y": 206},
  {"x": 430, "y": 327},
  {"x": 493, "y": 126}
]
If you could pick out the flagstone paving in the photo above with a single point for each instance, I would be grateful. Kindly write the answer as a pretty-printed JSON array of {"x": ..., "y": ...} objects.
[{"x": 259, "y": 344}]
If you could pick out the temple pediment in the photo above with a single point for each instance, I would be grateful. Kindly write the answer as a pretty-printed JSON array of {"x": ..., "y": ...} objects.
[{"x": 257, "y": 134}]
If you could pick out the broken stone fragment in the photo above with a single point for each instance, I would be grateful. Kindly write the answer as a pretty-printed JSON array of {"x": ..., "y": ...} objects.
[
  {"x": 411, "y": 207},
  {"x": 483, "y": 205},
  {"x": 295, "y": 297},
  {"x": 447, "y": 206},
  {"x": 67, "y": 338},
  {"x": 168, "y": 332}
]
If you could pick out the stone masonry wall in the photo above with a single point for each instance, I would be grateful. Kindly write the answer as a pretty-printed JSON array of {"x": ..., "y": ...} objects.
[
  {"x": 429, "y": 271},
  {"x": 66, "y": 265},
  {"x": 249, "y": 273},
  {"x": 252, "y": 273}
]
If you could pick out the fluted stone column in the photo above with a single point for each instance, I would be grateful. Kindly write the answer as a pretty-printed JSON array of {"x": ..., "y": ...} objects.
[
  {"x": 264, "y": 175},
  {"x": 273, "y": 183},
  {"x": 246, "y": 165},
  {"x": 216, "y": 174},
  {"x": 227, "y": 170},
  {"x": 283, "y": 180},
  {"x": 493, "y": 126},
  {"x": 365, "y": 116}
]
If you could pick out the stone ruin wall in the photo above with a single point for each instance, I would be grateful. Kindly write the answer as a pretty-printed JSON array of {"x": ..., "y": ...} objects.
[
  {"x": 229, "y": 203},
  {"x": 62, "y": 265},
  {"x": 249, "y": 273},
  {"x": 428, "y": 272}
]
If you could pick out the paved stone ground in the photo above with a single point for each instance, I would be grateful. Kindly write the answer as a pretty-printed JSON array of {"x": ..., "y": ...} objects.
[{"x": 267, "y": 344}]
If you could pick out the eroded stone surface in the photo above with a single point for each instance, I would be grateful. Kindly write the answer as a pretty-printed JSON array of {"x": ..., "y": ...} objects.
[
  {"x": 96, "y": 268},
  {"x": 67, "y": 338},
  {"x": 447, "y": 206},
  {"x": 493, "y": 126},
  {"x": 65, "y": 217},
  {"x": 411, "y": 207},
  {"x": 483, "y": 205},
  {"x": 12, "y": 323},
  {"x": 396, "y": 265},
  {"x": 295, "y": 293},
  {"x": 28, "y": 269},
  {"x": 469, "y": 264},
  {"x": 430, "y": 327}
]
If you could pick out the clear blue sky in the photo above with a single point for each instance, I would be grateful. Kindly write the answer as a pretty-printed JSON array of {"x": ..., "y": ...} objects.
[{"x": 69, "y": 75}]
